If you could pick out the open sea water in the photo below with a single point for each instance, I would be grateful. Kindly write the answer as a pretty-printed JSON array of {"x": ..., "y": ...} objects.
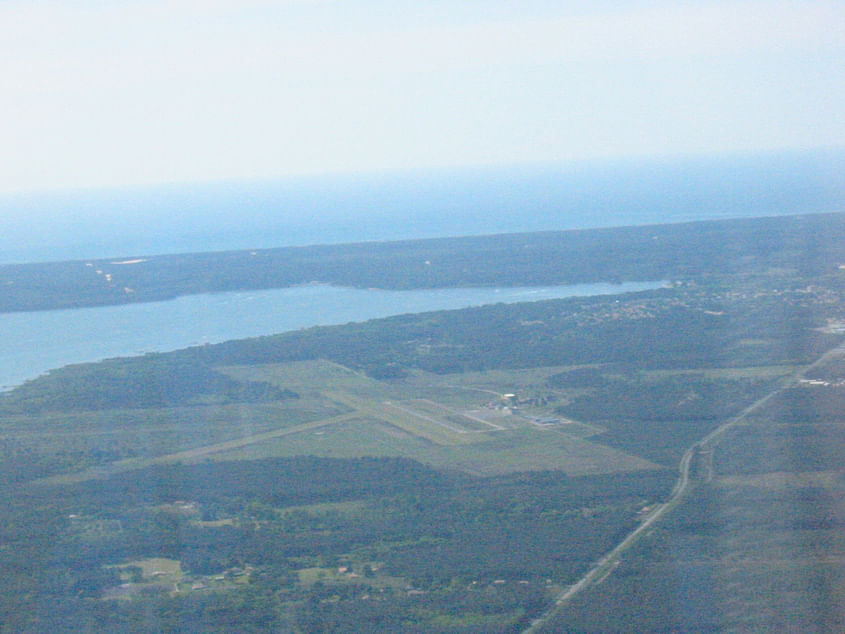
[
  {"x": 136, "y": 221},
  {"x": 335, "y": 209}
]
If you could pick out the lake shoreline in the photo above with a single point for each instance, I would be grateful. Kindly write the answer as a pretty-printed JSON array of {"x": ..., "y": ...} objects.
[
  {"x": 622, "y": 254},
  {"x": 44, "y": 340}
]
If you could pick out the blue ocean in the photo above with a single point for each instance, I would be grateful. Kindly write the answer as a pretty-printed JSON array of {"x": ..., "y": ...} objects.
[
  {"x": 221, "y": 216},
  {"x": 121, "y": 222}
]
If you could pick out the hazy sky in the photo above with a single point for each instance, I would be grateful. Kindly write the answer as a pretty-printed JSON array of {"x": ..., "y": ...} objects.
[{"x": 109, "y": 92}]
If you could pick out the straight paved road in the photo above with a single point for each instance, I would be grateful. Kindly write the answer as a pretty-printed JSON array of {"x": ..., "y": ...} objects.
[{"x": 604, "y": 566}]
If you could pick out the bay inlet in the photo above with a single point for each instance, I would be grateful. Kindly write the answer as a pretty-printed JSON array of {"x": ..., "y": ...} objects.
[{"x": 35, "y": 342}]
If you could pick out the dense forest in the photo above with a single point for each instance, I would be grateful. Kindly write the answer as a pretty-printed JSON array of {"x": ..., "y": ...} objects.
[
  {"x": 452, "y": 471},
  {"x": 806, "y": 244},
  {"x": 690, "y": 326},
  {"x": 441, "y": 533}
]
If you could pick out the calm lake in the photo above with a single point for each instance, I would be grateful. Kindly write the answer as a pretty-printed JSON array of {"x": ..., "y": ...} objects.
[{"x": 32, "y": 343}]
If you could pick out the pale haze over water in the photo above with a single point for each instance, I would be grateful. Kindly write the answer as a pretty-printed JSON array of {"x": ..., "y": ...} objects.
[{"x": 144, "y": 220}]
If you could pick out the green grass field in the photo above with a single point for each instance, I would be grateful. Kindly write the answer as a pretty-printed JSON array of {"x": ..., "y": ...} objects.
[
  {"x": 446, "y": 421},
  {"x": 462, "y": 422}
]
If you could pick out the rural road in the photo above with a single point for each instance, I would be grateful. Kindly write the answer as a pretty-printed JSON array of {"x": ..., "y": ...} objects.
[{"x": 605, "y": 566}]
